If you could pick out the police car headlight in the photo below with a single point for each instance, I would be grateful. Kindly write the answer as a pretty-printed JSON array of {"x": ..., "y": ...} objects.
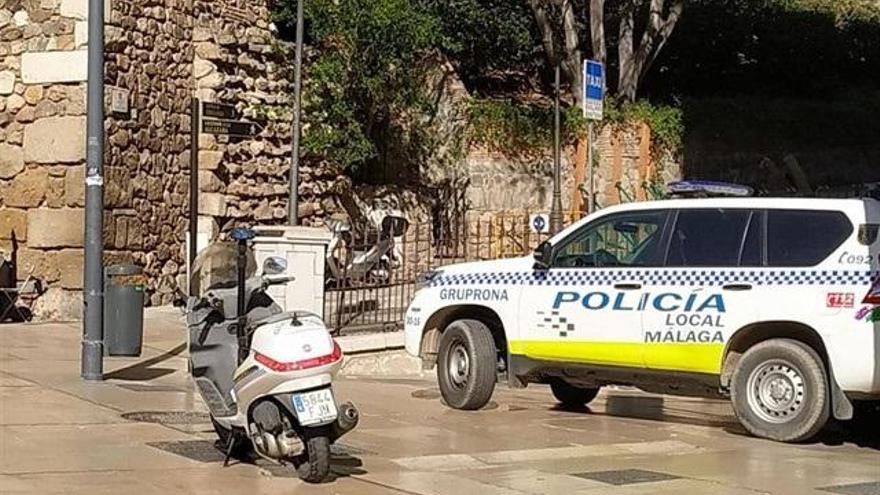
[{"x": 426, "y": 278}]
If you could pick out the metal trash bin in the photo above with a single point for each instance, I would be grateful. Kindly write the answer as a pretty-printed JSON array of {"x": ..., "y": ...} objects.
[{"x": 123, "y": 310}]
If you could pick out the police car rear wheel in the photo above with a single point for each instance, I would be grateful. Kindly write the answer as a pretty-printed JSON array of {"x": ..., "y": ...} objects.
[
  {"x": 570, "y": 396},
  {"x": 466, "y": 368},
  {"x": 780, "y": 391}
]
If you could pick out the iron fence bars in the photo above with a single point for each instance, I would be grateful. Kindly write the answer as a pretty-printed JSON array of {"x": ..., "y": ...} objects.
[{"x": 378, "y": 273}]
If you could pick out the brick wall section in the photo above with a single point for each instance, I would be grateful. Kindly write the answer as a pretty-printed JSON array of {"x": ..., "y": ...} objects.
[
  {"x": 149, "y": 53},
  {"x": 625, "y": 160}
]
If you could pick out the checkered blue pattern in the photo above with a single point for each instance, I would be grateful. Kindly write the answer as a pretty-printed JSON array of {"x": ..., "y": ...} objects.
[{"x": 661, "y": 277}]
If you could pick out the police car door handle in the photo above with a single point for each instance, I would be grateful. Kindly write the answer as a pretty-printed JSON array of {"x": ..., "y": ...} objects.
[
  {"x": 628, "y": 286},
  {"x": 737, "y": 287}
]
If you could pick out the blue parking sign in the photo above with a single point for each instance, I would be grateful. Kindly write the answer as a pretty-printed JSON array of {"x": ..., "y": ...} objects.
[{"x": 594, "y": 89}]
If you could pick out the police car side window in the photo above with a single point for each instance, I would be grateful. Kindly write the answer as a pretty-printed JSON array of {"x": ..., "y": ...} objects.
[
  {"x": 804, "y": 237},
  {"x": 624, "y": 239},
  {"x": 708, "y": 237}
]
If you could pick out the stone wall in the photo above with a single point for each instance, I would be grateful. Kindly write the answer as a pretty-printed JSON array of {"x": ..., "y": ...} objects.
[
  {"x": 238, "y": 61},
  {"x": 149, "y": 64},
  {"x": 42, "y": 146},
  {"x": 626, "y": 162}
]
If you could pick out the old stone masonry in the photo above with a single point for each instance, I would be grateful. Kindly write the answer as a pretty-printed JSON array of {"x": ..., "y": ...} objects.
[{"x": 159, "y": 54}]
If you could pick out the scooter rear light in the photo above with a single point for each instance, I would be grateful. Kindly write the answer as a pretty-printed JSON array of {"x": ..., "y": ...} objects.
[{"x": 304, "y": 364}]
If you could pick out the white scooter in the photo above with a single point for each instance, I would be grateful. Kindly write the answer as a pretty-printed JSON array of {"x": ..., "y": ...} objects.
[{"x": 266, "y": 375}]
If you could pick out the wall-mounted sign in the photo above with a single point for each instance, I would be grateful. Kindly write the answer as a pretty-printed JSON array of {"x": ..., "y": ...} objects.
[
  {"x": 231, "y": 127},
  {"x": 219, "y": 110},
  {"x": 118, "y": 99}
]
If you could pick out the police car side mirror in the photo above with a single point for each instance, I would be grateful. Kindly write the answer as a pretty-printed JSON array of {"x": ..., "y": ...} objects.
[{"x": 542, "y": 256}]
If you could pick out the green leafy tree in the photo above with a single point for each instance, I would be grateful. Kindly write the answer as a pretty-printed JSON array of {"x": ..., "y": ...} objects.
[
  {"x": 493, "y": 44},
  {"x": 366, "y": 73}
]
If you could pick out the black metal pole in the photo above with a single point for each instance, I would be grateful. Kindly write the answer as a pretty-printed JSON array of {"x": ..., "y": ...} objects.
[
  {"x": 241, "y": 316},
  {"x": 92, "y": 365},
  {"x": 193, "y": 188},
  {"x": 556, "y": 208},
  {"x": 293, "y": 202}
]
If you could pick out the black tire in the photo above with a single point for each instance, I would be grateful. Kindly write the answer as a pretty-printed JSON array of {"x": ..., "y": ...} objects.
[
  {"x": 570, "y": 396},
  {"x": 241, "y": 446},
  {"x": 471, "y": 387},
  {"x": 797, "y": 407},
  {"x": 313, "y": 465}
]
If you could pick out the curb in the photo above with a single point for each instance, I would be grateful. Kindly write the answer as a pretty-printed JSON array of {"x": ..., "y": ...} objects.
[{"x": 371, "y": 342}]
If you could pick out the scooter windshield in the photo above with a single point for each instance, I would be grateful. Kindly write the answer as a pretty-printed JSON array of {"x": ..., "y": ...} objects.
[{"x": 216, "y": 267}]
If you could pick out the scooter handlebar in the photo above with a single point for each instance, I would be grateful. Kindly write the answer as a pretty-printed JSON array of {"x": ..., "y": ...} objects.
[{"x": 277, "y": 279}]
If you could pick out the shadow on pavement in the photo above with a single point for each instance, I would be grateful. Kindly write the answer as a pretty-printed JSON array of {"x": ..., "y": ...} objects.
[
  {"x": 143, "y": 370},
  {"x": 862, "y": 431},
  {"x": 342, "y": 463},
  {"x": 654, "y": 409}
]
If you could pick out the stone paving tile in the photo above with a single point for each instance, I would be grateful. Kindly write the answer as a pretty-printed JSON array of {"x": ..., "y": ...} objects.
[
  {"x": 434, "y": 483},
  {"x": 870, "y": 488},
  {"x": 34, "y": 405},
  {"x": 532, "y": 480}
]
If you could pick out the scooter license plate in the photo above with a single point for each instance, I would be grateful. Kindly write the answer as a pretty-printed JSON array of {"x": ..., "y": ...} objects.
[{"x": 315, "y": 407}]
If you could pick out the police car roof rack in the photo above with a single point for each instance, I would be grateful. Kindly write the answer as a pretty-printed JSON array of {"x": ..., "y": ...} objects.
[{"x": 707, "y": 189}]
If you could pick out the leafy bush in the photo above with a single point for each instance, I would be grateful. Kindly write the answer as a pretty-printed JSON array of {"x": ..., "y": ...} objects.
[{"x": 366, "y": 73}]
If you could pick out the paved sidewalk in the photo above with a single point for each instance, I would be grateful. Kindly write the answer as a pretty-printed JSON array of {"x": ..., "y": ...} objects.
[{"x": 145, "y": 431}]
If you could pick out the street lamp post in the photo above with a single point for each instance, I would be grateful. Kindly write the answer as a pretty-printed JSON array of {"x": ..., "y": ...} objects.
[
  {"x": 556, "y": 208},
  {"x": 293, "y": 200},
  {"x": 92, "y": 364}
]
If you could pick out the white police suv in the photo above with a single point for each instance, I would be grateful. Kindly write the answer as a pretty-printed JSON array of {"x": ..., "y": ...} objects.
[{"x": 772, "y": 302}]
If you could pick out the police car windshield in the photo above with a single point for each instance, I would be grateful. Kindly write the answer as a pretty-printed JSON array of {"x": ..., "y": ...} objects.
[{"x": 625, "y": 239}]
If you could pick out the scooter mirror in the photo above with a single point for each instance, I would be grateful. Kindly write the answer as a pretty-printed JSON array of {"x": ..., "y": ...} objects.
[{"x": 274, "y": 265}]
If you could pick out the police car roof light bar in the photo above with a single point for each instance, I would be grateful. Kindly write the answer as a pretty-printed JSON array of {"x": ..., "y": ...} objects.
[{"x": 706, "y": 188}]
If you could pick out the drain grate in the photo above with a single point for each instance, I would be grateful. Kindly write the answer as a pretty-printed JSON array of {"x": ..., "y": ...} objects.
[
  {"x": 196, "y": 450},
  {"x": 168, "y": 417},
  {"x": 869, "y": 488},
  {"x": 626, "y": 476}
]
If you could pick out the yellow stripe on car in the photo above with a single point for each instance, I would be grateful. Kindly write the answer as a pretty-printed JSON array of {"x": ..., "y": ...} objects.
[{"x": 694, "y": 358}]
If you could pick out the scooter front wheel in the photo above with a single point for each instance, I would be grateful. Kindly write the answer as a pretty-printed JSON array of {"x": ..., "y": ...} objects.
[{"x": 313, "y": 465}]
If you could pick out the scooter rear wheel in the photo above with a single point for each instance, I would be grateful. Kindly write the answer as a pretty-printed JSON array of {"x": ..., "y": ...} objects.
[{"x": 313, "y": 465}]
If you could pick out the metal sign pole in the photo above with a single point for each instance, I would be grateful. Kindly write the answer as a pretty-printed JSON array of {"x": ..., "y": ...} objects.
[
  {"x": 594, "y": 95},
  {"x": 92, "y": 359},
  {"x": 293, "y": 200},
  {"x": 193, "y": 189},
  {"x": 556, "y": 207},
  {"x": 592, "y": 195}
]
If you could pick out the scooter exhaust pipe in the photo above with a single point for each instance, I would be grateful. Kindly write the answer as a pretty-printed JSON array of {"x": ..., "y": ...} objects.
[{"x": 347, "y": 420}]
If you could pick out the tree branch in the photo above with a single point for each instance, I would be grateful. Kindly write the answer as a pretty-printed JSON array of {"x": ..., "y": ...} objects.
[
  {"x": 572, "y": 62},
  {"x": 545, "y": 27},
  {"x": 597, "y": 29},
  {"x": 627, "y": 78},
  {"x": 664, "y": 31}
]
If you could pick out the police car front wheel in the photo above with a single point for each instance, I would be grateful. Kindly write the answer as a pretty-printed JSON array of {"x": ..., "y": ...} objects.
[
  {"x": 466, "y": 368},
  {"x": 780, "y": 391}
]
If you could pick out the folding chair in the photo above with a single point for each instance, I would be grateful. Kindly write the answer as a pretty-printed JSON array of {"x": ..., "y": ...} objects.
[{"x": 10, "y": 296}]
